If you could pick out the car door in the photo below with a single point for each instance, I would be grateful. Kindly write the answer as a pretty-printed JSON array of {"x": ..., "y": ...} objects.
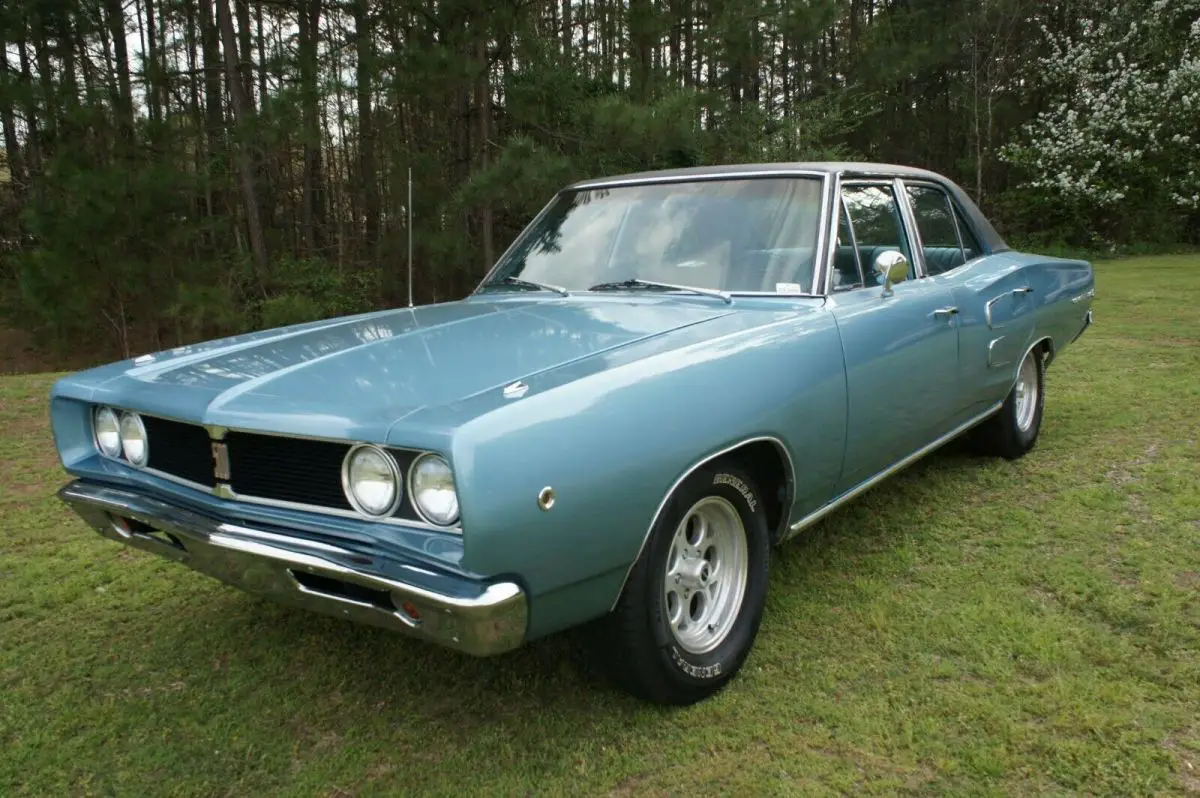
[
  {"x": 900, "y": 346},
  {"x": 995, "y": 319}
]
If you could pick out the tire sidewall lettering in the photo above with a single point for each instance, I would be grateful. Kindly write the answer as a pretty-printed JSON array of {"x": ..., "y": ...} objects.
[
  {"x": 715, "y": 665},
  {"x": 722, "y": 478}
]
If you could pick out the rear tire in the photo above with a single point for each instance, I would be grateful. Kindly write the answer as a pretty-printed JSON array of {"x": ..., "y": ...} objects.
[
  {"x": 1013, "y": 430},
  {"x": 692, "y": 604}
]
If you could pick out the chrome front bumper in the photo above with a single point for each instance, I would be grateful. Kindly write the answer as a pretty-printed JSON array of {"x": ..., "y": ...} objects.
[{"x": 486, "y": 619}]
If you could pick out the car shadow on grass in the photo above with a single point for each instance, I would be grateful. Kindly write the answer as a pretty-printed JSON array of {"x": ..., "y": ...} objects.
[
  {"x": 268, "y": 694},
  {"x": 559, "y": 673}
]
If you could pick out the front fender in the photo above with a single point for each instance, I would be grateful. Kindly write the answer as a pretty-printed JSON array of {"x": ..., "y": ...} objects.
[{"x": 612, "y": 441}]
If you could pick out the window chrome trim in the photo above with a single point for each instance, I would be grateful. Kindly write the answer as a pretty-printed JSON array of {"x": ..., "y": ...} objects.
[
  {"x": 706, "y": 177},
  {"x": 825, "y": 233},
  {"x": 694, "y": 178},
  {"x": 785, "y": 515},
  {"x": 957, "y": 218},
  {"x": 908, "y": 219},
  {"x": 893, "y": 183},
  {"x": 495, "y": 267}
]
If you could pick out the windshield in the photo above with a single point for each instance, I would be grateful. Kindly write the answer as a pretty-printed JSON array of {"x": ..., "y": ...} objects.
[{"x": 745, "y": 235}]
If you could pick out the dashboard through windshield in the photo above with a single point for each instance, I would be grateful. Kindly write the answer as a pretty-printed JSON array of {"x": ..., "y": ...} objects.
[{"x": 735, "y": 236}]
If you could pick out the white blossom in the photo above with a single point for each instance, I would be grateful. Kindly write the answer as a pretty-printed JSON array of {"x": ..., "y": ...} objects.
[{"x": 1125, "y": 116}]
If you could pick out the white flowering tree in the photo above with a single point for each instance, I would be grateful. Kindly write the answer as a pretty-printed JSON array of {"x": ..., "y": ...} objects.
[{"x": 1116, "y": 153}]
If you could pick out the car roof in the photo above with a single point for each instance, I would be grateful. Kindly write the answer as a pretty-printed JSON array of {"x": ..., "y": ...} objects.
[
  {"x": 985, "y": 232},
  {"x": 823, "y": 167}
]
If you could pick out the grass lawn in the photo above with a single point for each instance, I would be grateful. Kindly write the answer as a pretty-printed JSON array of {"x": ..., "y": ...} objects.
[{"x": 970, "y": 627}]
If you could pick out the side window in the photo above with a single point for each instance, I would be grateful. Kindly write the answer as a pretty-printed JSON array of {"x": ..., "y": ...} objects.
[
  {"x": 847, "y": 271},
  {"x": 876, "y": 226},
  {"x": 970, "y": 244},
  {"x": 936, "y": 223}
]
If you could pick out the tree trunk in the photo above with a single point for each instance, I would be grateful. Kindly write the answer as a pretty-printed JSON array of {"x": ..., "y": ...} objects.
[
  {"x": 262, "y": 55},
  {"x": 364, "y": 33},
  {"x": 313, "y": 210},
  {"x": 245, "y": 59},
  {"x": 483, "y": 99},
  {"x": 245, "y": 167},
  {"x": 153, "y": 74},
  {"x": 640, "y": 35},
  {"x": 33, "y": 142},
  {"x": 566, "y": 28},
  {"x": 12, "y": 147},
  {"x": 116, "y": 26}
]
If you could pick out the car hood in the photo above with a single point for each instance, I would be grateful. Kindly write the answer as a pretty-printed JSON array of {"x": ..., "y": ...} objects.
[{"x": 355, "y": 377}]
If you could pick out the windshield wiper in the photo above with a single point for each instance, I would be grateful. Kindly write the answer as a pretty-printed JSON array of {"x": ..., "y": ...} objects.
[
  {"x": 636, "y": 282},
  {"x": 540, "y": 286}
]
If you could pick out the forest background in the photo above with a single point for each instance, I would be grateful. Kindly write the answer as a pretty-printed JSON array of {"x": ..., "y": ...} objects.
[{"x": 175, "y": 170}]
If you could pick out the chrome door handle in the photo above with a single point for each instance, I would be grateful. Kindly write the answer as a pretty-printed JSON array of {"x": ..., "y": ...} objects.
[
  {"x": 945, "y": 312},
  {"x": 987, "y": 308}
]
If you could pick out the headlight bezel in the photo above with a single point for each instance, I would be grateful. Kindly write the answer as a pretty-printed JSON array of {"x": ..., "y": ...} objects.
[
  {"x": 129, "y": 416},
  {"x": 393, "y": 468},
  {"x": 97, "y": 411},
  {"x": 414, "y": 494}
]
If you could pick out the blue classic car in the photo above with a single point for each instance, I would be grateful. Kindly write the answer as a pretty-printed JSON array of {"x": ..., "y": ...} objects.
[{"x": 663, "y": 377}]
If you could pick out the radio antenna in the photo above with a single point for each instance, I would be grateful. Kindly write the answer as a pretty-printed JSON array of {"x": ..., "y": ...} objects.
[{"x": 410, "y": 237}]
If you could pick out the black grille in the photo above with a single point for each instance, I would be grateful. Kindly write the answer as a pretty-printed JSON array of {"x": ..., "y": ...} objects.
[
  {"x": 298, "y": 470},
  {"x": 181, "y": 450},
  {"x": 287, "y": 469}
]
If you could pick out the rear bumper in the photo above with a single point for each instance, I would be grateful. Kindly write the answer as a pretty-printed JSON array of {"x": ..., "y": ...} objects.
[{"x": 483, "y": 620}]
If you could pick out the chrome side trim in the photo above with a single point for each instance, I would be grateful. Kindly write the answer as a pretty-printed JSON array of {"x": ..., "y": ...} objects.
[
  {"x": 231, "y": 495},
  {"x": 791, "y": 490},
  {"x": 272, "y": 537},
  {"x": 209, "y": 489},
  {"x": 1087, "y": 322},
  {"x": 862, "y": 487},
  {"x": 491, "y": 619},
  {"x": 1032, "y": 346}
]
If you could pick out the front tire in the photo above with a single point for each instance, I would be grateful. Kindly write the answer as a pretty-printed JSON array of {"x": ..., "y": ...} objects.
[
  {"x": 692, "y": 604},
  {"x": 1013, "y": 430}
]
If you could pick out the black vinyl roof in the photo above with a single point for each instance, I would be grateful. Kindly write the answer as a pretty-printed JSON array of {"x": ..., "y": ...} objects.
[{"x": 989, "y": 238}]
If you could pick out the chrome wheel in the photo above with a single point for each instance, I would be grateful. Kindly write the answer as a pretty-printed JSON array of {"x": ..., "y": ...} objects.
[
  {"x": 1026, "y": 393},
  {"x": 706, "y": 575}
]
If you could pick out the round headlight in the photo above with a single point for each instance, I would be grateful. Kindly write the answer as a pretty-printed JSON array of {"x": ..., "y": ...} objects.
[
  {"x": 108, "y": 432},
  {"x": 133, "y": 439},
  {"x": 431, "y": 486},
  {"x": 371, "y": 480}
]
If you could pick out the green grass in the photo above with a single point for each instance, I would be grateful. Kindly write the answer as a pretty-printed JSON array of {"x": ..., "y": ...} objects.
[{"x": 970, "y": 627}]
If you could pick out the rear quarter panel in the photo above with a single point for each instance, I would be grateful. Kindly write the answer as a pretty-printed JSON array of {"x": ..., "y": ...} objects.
[
  {"x": 1032, "y": 298},
  {"x": 1064, "y": 290}
]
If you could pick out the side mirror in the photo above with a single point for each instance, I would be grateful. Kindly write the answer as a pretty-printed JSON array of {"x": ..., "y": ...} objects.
[{"x": 892, "y": 267}]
